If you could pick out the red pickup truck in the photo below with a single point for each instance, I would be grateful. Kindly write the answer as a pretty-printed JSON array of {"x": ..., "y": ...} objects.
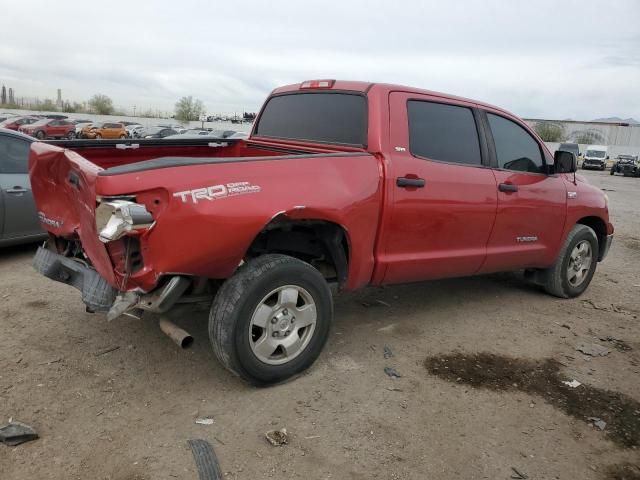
[{"x": 340, "y": 183}]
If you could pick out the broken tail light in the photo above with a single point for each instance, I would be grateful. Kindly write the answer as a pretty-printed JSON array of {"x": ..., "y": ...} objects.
[{"x": 116, "y": 218}]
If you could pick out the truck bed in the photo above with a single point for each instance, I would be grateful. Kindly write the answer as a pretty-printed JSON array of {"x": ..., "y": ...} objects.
[
  {"x": 208, "y": 200},
  {"x": 108, "y": 154}
]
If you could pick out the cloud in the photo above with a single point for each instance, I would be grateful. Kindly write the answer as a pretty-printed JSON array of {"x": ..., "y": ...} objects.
[{"x": 537, "y": 58}]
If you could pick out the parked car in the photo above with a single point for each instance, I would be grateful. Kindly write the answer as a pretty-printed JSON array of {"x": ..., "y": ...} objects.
[
  {"x": 5, "y": 116},
  {"x": 20, "y": 223},
  {"x": 50, "y": 128},
  {"x": 570, "y": 147},
  {"x": 134, "y": 131},
  {"x": 628, "y": 165},
  {"x": 158, "y": 132},
  {"x": 239, "y": 135},
  {"x": 81, "y": 126},
  {"x": 14, "y": 123},
  {"x": 595, "y": 157},
  {"x": 341, "y": 184},
  {"x": 100, "y": 130},
  {"x": 206, "y": 133}
]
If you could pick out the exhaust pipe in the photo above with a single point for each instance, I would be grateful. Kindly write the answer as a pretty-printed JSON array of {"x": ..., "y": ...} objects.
[{"x": 175, "y": 333}]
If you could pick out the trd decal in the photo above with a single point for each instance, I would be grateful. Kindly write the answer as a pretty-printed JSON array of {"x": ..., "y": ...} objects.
[{"x": 217, "y": 192}]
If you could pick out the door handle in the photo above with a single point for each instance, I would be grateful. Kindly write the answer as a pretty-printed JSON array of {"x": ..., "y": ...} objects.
[
  {"x": 508, "y": 187},
  {"x": 16, "y": 190},
  {"x": 410, "y": 182}
]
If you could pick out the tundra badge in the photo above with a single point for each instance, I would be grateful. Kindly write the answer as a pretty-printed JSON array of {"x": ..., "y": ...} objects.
[{"x": 531, "y": 238}]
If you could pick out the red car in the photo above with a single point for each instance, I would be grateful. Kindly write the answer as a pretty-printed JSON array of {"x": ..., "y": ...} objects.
[
  {"x": 340, "y": 184},
  {"x": 50, "y": 128},
  {"x": 14, "y": 123}
]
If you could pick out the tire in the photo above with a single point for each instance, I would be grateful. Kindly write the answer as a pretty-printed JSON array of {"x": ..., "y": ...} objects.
[
  {"x": 71, "y": 135},
  {"x": 612, "y": 171},
  {"x": 556, "y": 280},
  {"x": 123, "y": 136},
  {"x": 98, "y": 136},
  {"x": 263, "y": 284},
  {"x": 40, "y": 135}
]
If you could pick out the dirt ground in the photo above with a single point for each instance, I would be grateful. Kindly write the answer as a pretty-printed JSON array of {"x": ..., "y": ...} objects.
[{"x": 127, "y": 413}]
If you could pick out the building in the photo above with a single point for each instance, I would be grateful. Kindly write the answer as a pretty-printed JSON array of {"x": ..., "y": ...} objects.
[
  {"x": 621, "y": 138},
  {"x": 59, "y": 99}
]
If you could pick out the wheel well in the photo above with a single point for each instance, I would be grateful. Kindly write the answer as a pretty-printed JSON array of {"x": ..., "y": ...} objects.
[
  {"x": 322, "y": 244},
  {"x": 598, "y": 226}
]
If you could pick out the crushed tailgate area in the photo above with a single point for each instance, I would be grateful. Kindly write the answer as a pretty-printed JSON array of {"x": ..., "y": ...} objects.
[{"x": 449, "y": 379}]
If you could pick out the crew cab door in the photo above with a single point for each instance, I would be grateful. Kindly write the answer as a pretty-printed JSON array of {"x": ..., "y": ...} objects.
[
  {"x": 441, "y": 190},
  {"x": 18, "y": 216},
  {"x": 532, "y": 205}
]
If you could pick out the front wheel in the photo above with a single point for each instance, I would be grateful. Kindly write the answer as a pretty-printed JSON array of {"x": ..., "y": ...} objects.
[
  {"x": 571, "y": 274},
  {"x": 98, "y": 136},
  {"x": 71, "y": 135},
  {"x": 40, "y": 135},
  {"x": 271, "y": 320},
  {"x": 613, "y": 171}
]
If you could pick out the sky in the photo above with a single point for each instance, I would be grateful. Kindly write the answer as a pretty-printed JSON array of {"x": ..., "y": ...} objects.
[{"x": 556, "y": 59}]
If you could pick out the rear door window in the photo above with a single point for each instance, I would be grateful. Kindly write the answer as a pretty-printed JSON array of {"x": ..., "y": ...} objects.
[
  {"x": 443, "y": 132},
  {"x": 14, "y": 155},
  {"x": 516, "y": 149},
  {"x": 326, "y": 117}
]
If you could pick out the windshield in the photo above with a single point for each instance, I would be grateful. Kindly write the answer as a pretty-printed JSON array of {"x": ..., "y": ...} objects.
[
  {"x": 44, "y": 121},
  {"x": 595, "y": 153},
  {"x": 326, "y": 117}
]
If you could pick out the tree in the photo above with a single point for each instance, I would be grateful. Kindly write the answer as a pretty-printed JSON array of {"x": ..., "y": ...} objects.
[
  {"x": 46, "y": 106},
  {"x": 549, "y": 132},
  {"x": 188, "y": 108},
  {"x": 101, "y": 104}
]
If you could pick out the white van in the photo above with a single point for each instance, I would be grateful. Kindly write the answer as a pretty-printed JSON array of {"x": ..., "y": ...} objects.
[{"x": 595, "y": 157}]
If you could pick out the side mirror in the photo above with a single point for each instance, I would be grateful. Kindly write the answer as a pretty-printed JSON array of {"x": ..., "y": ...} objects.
[
  {"x": 607, "y": 157},
  {"x": 564, "y": 162}
]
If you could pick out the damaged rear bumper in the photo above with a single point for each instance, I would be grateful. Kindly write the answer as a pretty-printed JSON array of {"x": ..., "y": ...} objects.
[
  {"x": 100, "y": 296},
  {"x": 97, "y": 294}
]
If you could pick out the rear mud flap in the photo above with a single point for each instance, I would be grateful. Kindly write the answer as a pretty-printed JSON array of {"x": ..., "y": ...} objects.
[{"x": 97, "y": 294}]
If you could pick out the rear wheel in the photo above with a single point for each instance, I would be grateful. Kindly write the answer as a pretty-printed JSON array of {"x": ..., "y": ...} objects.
[
  {"x": 123, "y": 136},
  {"x": 71, "y": 135},
  {"x": 271, "y": 320},
  {"x": 613, "y": 171},
  {"x": 98, "y": 136},
  {"x": 40, "y": 135},
  {"x": 571, "y": 274}
]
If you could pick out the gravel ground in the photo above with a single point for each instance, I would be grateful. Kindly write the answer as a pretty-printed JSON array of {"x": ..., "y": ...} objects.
[{"x": 119, "y": 401}]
